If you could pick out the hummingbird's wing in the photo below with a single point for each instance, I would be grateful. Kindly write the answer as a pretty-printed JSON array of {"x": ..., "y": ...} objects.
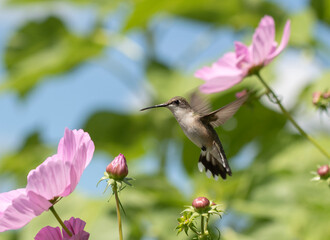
[
  {"x": 221, "y": 115},
  {"x": 198, "y": 104}
]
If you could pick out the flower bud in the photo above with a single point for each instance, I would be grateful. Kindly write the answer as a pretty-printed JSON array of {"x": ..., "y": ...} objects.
[
  {"x": 200, "y": 203},
  {"x": 316, "y": 97},
  {"x": 241, "y": 93},
  {"x": 118, "y": 169},
  {"x": 326, "y": 95},
  {"x": 323, "y": 171}
]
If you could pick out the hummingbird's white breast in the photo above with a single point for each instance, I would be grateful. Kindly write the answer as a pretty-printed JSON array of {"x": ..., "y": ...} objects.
[{"x": 191, "y": 126}]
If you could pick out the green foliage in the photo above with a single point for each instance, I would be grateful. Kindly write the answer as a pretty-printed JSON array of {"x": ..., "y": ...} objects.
[
  {"x": 30, "y": 155},
  {"x": 117, "y": 133},
  {"x": 45, "y": 48},
  {"x": 288, "y": 200},
  {"x": 303, "y": 23},
  {"x": 215, "y": 12},
  {"x": 19, "y": 2},
  {"x": 322, "y": 9}
]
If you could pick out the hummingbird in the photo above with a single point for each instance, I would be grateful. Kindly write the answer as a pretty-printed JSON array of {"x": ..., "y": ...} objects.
[{"x": 198, "y": 123}]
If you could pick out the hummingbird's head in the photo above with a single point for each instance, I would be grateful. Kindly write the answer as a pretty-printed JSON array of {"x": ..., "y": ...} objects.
[{"x": 172, "y": 104}]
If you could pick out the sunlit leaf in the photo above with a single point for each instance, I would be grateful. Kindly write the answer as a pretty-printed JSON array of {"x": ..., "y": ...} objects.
[{"x": 217, "y": 12}]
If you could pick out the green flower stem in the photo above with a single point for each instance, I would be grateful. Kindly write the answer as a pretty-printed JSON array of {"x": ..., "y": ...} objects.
[
  {"x": 115, "y": 191},
  {"x": 205, "y": 225},
  {"x": 202, "y": 225},
  {"x": 287, "y": 114},
  {"x": 52, "y": 209},
  {"x": 261, "y": 94},
  {"x": 204, "y": 232}
]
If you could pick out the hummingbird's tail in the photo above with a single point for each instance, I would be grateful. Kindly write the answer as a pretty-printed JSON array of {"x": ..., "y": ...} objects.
[{"x": 214, "y": 162}]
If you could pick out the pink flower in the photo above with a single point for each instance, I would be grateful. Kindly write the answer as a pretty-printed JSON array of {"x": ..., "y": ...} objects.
[
  {"x": 75, "y": 225},
  {"x": 59, "y": 175},
  {"x": 118, "y": 169},
  {"x": 56, "y": 177},
  {"x": 246, "y": 60}
]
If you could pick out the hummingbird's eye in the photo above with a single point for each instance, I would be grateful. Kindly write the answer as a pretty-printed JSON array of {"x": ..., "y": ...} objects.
[{"x": 176, "y": 102}]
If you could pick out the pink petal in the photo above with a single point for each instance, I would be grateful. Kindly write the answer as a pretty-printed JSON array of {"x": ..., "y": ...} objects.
[
  {"x": 49, "y": 233},
  {"x": 21, "y": 210},
  {"x": 6, "y": 198},
  {"x": 80, "y": 236},
  {"x": 71, "y": 142},
  {"x": 284, "y": 42},
  {"x": 77, "y": 169},
  {"x": 205, "y": 73},
  {"x": 221, "y": 83},
  {"x": 224, "y": 66},
  {"x": 263, "y": 39},
  {"x": 228, "y": 60},
  {"x": 67, "y": 146},
  {"x": 222, "y": 75},
  {"x": 274, "y": 47},
  {"x": 50, "y": 179},
  {"x": 242, "y": 52},
  {"x": 60, "y": 174},
  {"x": 244, "y": 56},
  {"x": 76, "y": 227}
]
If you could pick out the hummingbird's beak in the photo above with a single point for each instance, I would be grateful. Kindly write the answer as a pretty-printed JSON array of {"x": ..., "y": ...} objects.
[{"x": 156, "y": 106}]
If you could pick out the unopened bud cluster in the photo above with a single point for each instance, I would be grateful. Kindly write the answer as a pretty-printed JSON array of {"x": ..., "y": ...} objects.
[
  {"x": 201, "y": 208},
  {"x": 321, "y": 99}
]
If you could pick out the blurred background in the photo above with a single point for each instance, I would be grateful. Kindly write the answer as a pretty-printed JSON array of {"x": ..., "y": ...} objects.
[{"x": 94, "y": 64}]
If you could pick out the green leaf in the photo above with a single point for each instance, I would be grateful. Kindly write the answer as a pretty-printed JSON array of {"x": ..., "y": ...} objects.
[
  {"x": 169, "y": 83},
  {"x": 29, "y": 156},
  {"x": 302, "y": 27},
  {"x": 286, "y": 196},
  {"x": 22, "y": 2},
  {"x": 116, "y": 133},
  {"x": 218, "y": 12},
  {"x": 45, "y": 48},
  {"x": 322, "y": 9}
]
